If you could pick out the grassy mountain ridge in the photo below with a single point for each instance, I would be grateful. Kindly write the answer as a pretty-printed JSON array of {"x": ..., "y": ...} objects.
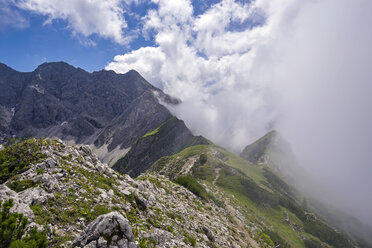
[{"x": 267, "y": 205}]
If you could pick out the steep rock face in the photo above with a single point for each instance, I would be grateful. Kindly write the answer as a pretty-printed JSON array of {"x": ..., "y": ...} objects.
[
  {"x": 169, "y": 138},
  {"x": 58, "y": 100}
]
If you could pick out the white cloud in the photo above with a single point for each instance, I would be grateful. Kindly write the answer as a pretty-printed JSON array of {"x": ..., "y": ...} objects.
[
  {"x": 84, "y": 17},
  {"x": 147, "y": 60},
  {"x": 205, "y": 65},
  {"x": 305, "y": 71},
  {"x": 10, "y": 17}
]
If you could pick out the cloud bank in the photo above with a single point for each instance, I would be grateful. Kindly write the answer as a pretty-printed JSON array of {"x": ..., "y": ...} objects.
[{"x": 241, "y": 69}]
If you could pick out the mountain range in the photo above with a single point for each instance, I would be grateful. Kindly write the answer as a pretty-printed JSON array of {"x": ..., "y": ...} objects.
[{"x": 98, "y": 160}]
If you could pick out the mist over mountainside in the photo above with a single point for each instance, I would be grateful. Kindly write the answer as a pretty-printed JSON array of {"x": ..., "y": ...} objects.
[
  {"x": 274, "y": 151},
  {"x": 188, "y": 192}
]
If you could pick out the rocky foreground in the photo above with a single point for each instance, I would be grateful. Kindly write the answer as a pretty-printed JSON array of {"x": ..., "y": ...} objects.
[{"x": 78, "y": 201}]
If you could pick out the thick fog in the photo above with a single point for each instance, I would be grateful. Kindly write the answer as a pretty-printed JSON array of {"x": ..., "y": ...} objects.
[{"x": 301, "y": 67}]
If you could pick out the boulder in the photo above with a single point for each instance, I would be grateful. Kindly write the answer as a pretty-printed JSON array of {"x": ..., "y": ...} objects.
[
  {"x": 209, "y": 234},
  {"x": 141, "y": 202},
  {"x": 108, "y": 230},
  {"x": 86, "y": 149},
  {"x": 50, "y": 162},
  {"x": 101, "y": 168},
  {"x": 35, "y": 196},
  {"x": 50, "y": 182},
  {"x": 19, "y": 205}
]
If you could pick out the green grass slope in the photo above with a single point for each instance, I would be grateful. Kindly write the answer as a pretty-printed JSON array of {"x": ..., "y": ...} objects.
[{"x": 272, "y": 210}]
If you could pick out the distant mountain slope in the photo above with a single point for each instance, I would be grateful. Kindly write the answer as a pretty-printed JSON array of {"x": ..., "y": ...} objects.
[
  {"x": 275, "y": 152},
  {"x": 102, "y": 108},
  {"x": 170, "y": 137},
  {"x": 266, "y": 207}
]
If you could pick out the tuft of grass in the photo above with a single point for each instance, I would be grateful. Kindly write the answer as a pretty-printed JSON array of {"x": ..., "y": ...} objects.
[
  {"x": 147, "y": 243},
  {"x": 188, "y": 239},
  {"x": 170, "y": 229},
  {"x": 155, "y": 131}
]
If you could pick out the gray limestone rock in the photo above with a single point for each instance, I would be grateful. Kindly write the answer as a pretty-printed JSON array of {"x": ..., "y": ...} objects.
[
  {"x": 35, "y": 196},
  {"x": 86, "y": 149},
  {"x": 50, "y": 182},
  {"x": 141, "y": 202},
  {"x": 100, "y": 232},
  {"x": 19, "y": 205},
  {"x": 209, "y": 234},
  {"x": 50, "y": 162},
  {"x": 101, "y": 168}
]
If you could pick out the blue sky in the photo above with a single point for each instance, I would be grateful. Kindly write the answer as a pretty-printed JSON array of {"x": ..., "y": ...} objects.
[{"x": 25, "y": 49}]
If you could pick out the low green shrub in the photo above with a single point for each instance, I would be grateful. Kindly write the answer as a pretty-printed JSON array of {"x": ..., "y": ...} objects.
[
  {"x": 19, "y": 186},
  {"x": 277, "y": 239},
  {"x": 188, "y": 239},
  {"x": 203, "y": 159},
  {"x": 13, "y": 228},
  {"x": 312, "y": 243},
  {"x": 17, "y": 156},
  {"x": 191, "y": 184},
  {"x": 326, "y": 234},
  {"x": 265, "y": 240}
]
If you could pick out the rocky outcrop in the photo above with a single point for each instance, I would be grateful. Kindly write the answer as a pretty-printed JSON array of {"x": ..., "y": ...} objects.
[
  {"x": 20, "y": 206},
  {"x": 109, "y": 230},
  {"x": 80, "y": 201}
]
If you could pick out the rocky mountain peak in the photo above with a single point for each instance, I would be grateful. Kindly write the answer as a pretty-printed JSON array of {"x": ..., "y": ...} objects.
[
  {"x": 106, "y": 110},
  {"x": 55, "y": 66}
]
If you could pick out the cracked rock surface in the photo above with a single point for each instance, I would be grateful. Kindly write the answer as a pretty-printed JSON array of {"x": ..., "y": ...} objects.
[{"x": 109, "y": 230}]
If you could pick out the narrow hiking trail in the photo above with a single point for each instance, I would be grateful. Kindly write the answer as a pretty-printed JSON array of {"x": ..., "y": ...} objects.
[
  {"x": 217, "y": 171},
  {"x": 236, "y": 220}
]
